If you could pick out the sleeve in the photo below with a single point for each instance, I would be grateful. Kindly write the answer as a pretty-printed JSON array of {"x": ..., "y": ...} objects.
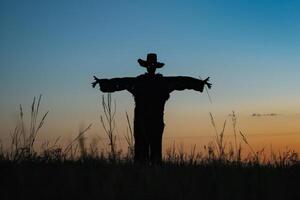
[
  {"x": 184, "y": 82},
  {"x": 117, "y": 84}
]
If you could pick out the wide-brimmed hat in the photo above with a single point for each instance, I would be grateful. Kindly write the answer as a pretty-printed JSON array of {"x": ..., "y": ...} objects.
[{"x": 151, "y": 61}]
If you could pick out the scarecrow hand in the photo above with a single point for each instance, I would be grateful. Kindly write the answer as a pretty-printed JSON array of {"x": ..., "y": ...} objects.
[
  {"x": 97, "y": 81},
  {"x": 205, "y": 81}
]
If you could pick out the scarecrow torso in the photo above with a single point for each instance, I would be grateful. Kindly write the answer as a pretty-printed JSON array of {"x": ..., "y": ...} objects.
[{"x": 150, "y": 95}]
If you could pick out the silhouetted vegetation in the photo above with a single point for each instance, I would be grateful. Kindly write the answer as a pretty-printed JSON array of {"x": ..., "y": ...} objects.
[{"x": 80, "y": 171}]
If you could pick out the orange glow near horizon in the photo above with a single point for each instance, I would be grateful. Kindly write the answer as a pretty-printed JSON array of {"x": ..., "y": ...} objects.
[{"x": 272, "y": 133}]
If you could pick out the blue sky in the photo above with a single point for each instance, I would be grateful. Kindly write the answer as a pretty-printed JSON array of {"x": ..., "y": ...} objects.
[{"x": 251, "y": 50}]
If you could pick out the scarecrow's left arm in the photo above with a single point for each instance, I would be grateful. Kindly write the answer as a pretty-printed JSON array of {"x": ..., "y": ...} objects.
[
  {"x": 185, "y": 82},
  {"x": 114, "y": 84}
]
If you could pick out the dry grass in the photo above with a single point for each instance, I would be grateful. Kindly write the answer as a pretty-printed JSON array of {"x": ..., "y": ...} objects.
[
  {"x": 75, "y": 171},
  {"x": 109, "y": 124},
  {"x": 129, "y": 139},
  {"x": 22, "y": 141},
  {"x": 217, "y": 151}
]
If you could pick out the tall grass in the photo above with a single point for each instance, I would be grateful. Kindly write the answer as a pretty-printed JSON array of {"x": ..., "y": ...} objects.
[
  {"x": 219, "y": 138},
  {"x": 217, "y": 151},
  {"x": 129, "y": 138},
  {"x": 80, "y": 139},
  {"x": 78, "y": 172},
  {"x": 109, "y": 125},
  {"x": 22, "y": 141}
]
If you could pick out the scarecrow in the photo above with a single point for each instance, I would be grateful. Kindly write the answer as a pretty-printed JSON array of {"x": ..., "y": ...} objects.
[{"x": 150, "y": 92}]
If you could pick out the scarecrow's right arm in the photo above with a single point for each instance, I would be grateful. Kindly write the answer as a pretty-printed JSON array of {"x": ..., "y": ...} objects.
[{"x": 114, "y": 84}]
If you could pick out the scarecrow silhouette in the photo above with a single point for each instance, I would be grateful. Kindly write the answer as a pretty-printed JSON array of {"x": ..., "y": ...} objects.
[{"x": 150, "y": 91}]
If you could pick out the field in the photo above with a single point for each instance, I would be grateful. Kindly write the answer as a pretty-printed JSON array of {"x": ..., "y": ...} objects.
[
  {"x": 80, "y": 172},
  {"x": 89, "y": 178}
]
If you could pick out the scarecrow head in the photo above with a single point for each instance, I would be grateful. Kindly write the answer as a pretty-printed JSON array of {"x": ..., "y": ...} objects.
[{"x": 151, "y": 63}]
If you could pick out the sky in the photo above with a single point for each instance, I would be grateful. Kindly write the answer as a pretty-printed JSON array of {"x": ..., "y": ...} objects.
[{"x": 250, "y": 49}]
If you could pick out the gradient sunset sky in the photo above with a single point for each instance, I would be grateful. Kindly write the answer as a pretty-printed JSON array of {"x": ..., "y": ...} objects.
[{"x": 250, "y": 49}]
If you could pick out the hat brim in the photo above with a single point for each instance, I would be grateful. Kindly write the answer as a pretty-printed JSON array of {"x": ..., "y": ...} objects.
[{"x": 146, "y": 64}]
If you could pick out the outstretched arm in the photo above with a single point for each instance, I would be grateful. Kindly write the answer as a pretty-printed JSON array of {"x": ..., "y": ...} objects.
[
  {"x": 114, "y": 84},
  {"x": 185, "y": 82}
]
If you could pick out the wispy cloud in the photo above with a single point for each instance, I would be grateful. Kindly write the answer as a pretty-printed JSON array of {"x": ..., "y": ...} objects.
[{"x": 265, "y": 114}]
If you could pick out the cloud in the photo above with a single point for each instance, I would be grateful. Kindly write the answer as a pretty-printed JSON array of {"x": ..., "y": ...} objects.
[{"x": 264, "y": 114}]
